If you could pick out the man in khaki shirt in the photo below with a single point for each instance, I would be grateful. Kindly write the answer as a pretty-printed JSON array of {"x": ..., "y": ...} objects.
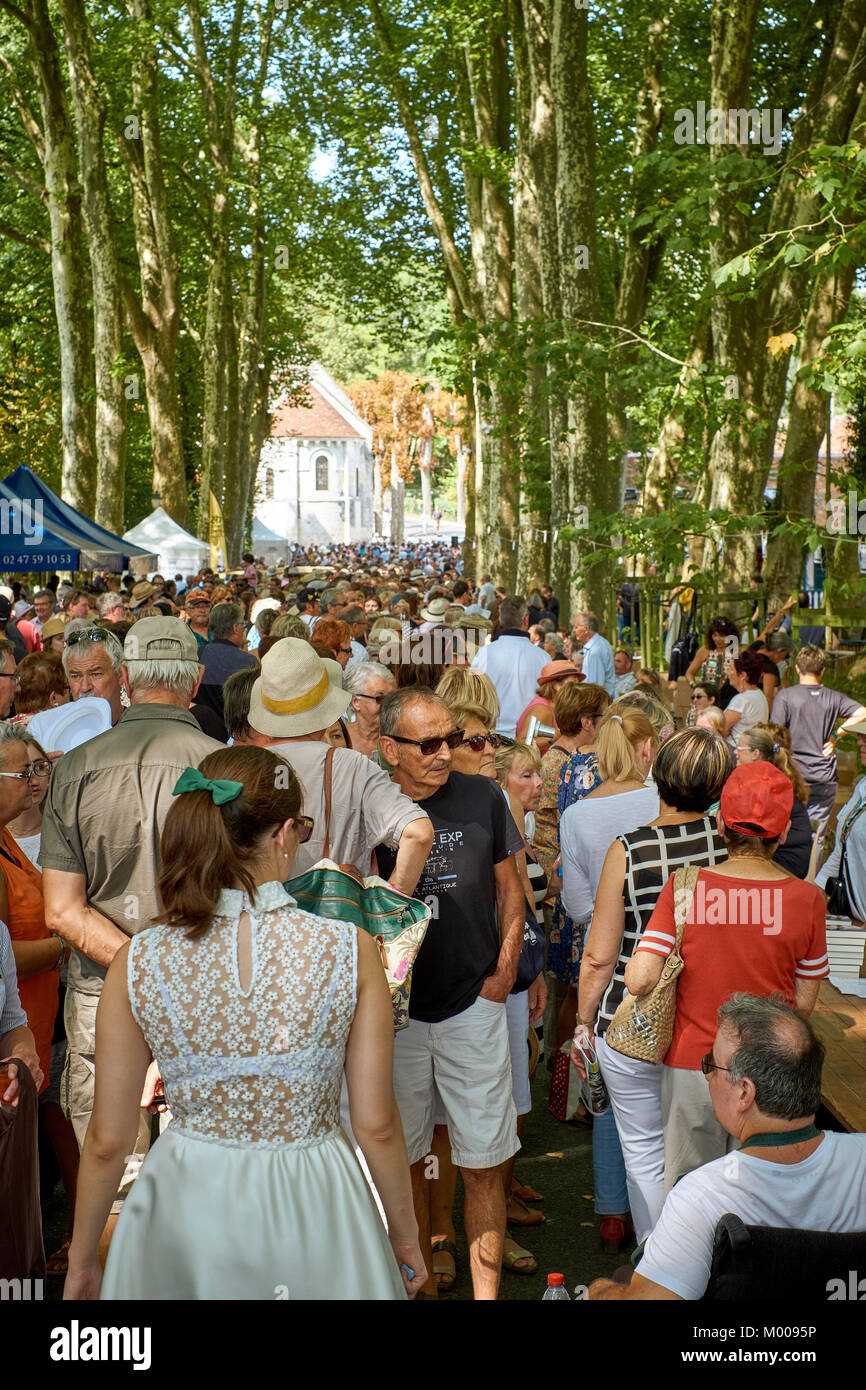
[{"x": 106, "y": 805}]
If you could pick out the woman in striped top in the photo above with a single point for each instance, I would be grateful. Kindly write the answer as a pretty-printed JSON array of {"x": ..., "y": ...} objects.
[{"x": 689, "y": 772}]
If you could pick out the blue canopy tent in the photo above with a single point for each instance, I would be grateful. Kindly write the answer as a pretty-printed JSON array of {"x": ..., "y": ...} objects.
[{"x": 39, "y": 531}]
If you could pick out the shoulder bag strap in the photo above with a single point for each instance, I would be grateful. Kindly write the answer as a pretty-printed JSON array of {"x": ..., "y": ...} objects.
[
  {"x": 329, "y": 772},
  {"x": 685, "y": 883}
]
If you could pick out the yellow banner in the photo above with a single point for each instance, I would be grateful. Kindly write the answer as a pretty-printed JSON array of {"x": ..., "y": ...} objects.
[{"x": 216, "y": 535}]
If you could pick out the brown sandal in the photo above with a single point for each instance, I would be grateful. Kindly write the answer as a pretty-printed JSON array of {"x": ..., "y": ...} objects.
[
  {"x": 525, "y": 1194},
  {"x": 517, "y": 1213}
]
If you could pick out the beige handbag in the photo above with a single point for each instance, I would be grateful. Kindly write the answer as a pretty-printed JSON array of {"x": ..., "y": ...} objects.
[{"x": 643, "y": 1024}]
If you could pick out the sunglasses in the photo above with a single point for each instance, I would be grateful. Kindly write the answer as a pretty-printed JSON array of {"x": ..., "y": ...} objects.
[
  {"x": 428, "y": 746},
  {"x": 87, "y": 634},
  {"x": 303, "y": 828},
  {"x": 477, "y": 741},
  {"x": 708, "y": 1065},
  {"x": 698, "y": 697}
]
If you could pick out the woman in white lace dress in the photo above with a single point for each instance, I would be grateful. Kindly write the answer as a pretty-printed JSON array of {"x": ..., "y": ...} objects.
[{"x": 252, "y": 1010}]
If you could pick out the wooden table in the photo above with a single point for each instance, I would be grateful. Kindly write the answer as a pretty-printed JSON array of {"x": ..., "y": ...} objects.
[{"x": 840, "y": 1022}]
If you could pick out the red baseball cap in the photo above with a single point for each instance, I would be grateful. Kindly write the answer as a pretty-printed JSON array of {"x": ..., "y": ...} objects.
[{"x": 757, "y": 800}]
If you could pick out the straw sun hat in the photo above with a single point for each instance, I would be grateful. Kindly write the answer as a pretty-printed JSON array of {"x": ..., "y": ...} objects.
[{"x": 294, "y": 694}]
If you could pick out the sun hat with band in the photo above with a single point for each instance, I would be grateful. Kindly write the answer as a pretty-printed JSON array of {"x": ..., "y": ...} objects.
[
  {"x": 435, "y": 610},
  {"x": 757, "y": 800},
  {"x": 141, "y": 593},
  {"x": 294, "y": 695}
]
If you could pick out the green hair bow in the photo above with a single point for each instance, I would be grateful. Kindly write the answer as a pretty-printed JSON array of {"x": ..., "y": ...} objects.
[{"x": 221, "y": 788}]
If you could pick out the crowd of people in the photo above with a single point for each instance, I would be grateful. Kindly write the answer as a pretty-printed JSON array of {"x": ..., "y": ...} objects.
[{"x": 187, "y": 1039}]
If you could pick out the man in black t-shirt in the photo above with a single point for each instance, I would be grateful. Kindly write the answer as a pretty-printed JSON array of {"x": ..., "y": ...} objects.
[{"x": 456, "y": 1043}]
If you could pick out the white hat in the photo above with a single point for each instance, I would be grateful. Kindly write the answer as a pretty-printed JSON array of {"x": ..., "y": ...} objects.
[
  {"x": 295, "y": 695},
  {"x": 435, "y": 610},
  {"x": 261, "y": 605}
]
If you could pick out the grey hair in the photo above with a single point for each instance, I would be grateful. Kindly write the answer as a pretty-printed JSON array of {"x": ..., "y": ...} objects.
[
  {"x": 356, "y": 675},
  {"x": 223, "y": 618},
  {"x": 107, "y": 602},
  {"x": 109, "y": 642},
  {"x": 176, "y": 677},
  {"x": 329, "y": 596},
  {"x": 394, "y": 705},
  {"x": 512, "y": 611},
  {"x": 589, "y": 620},
  {"x": 14, "y": 733},
  {"x": 778, "y": 1051}
]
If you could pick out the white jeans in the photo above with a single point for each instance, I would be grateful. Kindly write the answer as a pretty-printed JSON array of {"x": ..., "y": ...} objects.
[{"x": 635, "y": 1090}]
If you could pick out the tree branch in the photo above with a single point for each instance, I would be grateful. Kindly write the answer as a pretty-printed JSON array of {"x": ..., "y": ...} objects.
[
  {"x": 21, "y": 17},
  {"x": 36, "y": 243},
  {"x": 28, "y": 120},
  {"x": 422, "y": 169},
  {"x": 30, "y": 185}
]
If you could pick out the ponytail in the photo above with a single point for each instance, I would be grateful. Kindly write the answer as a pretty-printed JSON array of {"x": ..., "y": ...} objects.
[
  {"x": 205, "y": 847},
  {"x": 620, "y": 735}
]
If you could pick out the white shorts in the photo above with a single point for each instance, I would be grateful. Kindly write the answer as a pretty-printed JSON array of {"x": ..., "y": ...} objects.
[
  {"x": 517, "y": 1015},
  {"x": 466, "y": 1059}
]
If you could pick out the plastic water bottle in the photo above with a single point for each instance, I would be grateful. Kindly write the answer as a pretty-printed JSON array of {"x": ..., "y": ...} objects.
[{"x": 555, "y": 1288}]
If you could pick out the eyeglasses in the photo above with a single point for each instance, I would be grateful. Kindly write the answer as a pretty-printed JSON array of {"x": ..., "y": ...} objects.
[
  {"x": 11, "y": 676},
  {"x": 40, "y": 769},
  {"x": 347, "y": 651},
  {"x": 428, "y": 746},
  {"x": 477, "y": 741},
  {"x": 87, "y": 634},
  {"x": 708, "y": 1065},
  {"x": 377, "y": 698},
  {"x": 698, "y": 697}
]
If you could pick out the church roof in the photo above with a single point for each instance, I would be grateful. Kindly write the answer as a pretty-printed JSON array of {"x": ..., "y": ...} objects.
[{"x": 319, "y": 420}]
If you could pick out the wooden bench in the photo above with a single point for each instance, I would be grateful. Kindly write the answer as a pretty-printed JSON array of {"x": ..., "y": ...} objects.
[{"x": 840, "y": 1022}]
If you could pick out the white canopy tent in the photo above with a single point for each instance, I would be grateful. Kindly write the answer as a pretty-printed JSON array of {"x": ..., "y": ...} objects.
[
  {"x": 266, "y": 543},
  {"x": 178, "y": 551}
]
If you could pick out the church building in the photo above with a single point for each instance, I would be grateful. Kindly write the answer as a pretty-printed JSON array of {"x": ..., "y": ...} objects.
[{"x": 315, "y": 475}]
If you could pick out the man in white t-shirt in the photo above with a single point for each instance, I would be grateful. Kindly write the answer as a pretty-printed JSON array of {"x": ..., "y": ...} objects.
[
  {"x": 764, "y": 1075},
  {"x": 513, "y": 663}
]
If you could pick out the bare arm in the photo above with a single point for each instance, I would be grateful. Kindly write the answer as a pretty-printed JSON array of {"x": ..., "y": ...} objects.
[
  {"x": 604, "y": 941},
  {"x": 68, "y": 913},
  {"x": 773, "y": 623},
  {"x": 731, "y": 717},
  {"x": 519, "y": 818},
  {"x": 700, "y": 657},
  {"x": 37, "y": 957},
  {"x": 373, "y": 1108},
  {"x": 121, "y": 1063},
  {"x": 415, "y": 844},
  {"x": 643, "y": 972},
  {"x": 805, "y": 995},
  {"x": 511, "y": 913},
  {"x": 637, "y": 1290}
]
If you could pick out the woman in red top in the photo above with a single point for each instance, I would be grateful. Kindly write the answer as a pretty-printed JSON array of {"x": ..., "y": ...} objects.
[
  {"x": 38, "y": 954},
  {"x": 751, "y": 927}
]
